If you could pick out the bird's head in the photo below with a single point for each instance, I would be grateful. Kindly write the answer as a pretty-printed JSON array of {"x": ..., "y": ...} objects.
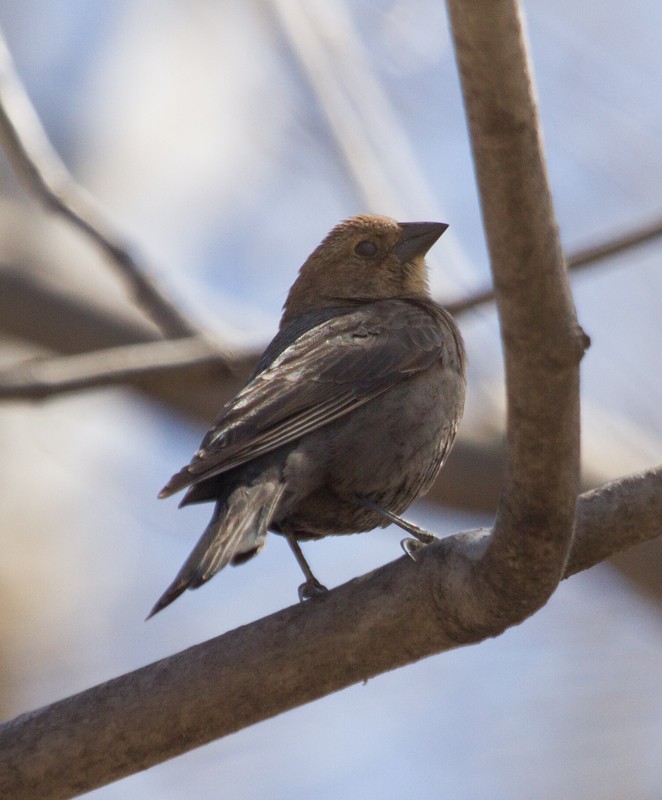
[{"x": 364, "y": 258}]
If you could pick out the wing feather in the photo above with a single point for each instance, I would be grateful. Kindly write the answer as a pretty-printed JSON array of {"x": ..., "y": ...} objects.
[{"x": 326, "y": 372}]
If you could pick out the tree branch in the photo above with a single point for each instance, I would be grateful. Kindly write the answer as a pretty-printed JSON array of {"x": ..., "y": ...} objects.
[
  {"x": 393, "y": 616},
  {"x": 39, "y": 378},
  {"x": 615, "y": 517},
  {"x": 43, "y": 173},
  {"x": 543, "y": 344}
]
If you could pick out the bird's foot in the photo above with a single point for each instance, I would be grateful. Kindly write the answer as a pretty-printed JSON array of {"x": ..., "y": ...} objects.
[
  {"x": 311, "y": 588},
  {"x": 423, "y": 536}
]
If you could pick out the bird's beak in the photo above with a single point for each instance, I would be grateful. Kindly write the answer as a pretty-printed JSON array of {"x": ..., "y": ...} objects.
[{"x": 417, "y": 238}]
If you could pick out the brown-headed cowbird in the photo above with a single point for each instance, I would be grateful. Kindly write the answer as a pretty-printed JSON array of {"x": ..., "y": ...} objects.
[{"x": 349, "y": 414}]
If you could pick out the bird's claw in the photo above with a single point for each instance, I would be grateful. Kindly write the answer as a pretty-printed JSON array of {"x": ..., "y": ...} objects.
[
  {"x": 412, "y": 546},
  {"x": 311, "y": 588}
]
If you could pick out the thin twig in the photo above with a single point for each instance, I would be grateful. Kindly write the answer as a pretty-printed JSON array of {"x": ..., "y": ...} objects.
[
  {"x": 637, "y": 236},
  {"x": 39, "y": 378},
  {"x": 43, "y": 173}
]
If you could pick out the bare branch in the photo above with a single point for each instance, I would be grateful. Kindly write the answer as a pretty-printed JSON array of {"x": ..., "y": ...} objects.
[
  {"x": 393, "y": 616},
  {"x": 635, "y": 237},
  {"x": 43, "y": 173},
  {"x": 616, "y": 516},
  {"x": 71, "y": 325},
  {"x": 39, "y": 311},
  {"x": 542, "y": 342}
]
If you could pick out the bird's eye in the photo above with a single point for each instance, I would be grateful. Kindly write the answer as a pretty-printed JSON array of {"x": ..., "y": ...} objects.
[{"x": 365, "y": 248}]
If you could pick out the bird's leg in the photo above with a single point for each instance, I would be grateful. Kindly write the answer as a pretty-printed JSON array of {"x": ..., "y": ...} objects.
[
  {"x": 312, "y": 587},
  {"x": 410, "y": 546}
]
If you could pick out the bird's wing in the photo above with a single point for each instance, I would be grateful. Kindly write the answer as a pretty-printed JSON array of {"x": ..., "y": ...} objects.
[{"x": 325, "y": 373}]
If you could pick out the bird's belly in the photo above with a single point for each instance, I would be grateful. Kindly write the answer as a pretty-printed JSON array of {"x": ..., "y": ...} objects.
[{"x": 388, "y": 451}]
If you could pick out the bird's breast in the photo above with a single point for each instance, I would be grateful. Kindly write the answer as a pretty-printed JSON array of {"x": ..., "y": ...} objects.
[{"x": 389, "y": 450}]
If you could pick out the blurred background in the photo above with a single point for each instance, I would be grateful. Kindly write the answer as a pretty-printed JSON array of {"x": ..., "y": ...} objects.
[{"x": 224, "y": 139}]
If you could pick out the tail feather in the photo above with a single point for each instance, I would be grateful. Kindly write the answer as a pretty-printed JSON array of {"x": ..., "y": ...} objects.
[{"x": 235, "y": 533}]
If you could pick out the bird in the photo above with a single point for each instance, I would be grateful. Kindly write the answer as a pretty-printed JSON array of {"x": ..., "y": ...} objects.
[{"x": 348, "y": 416}]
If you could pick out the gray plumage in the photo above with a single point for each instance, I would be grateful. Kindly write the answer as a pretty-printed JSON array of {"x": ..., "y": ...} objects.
[{"x": 353, "y": 406}]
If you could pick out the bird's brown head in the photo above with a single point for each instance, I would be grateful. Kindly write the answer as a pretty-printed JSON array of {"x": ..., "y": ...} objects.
[{"x": 364, "y": 258}]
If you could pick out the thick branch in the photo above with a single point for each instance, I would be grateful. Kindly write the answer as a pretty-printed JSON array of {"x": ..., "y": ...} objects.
[
  {"x": 39, "y": 167},
  {"x": 542, "y": 341},
  {"x": 393, "y": 616},
  {"x": 616, "y": 516}
]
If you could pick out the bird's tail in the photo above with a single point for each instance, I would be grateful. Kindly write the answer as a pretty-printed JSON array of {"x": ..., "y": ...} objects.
[{"x": 235, "y": 533}]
